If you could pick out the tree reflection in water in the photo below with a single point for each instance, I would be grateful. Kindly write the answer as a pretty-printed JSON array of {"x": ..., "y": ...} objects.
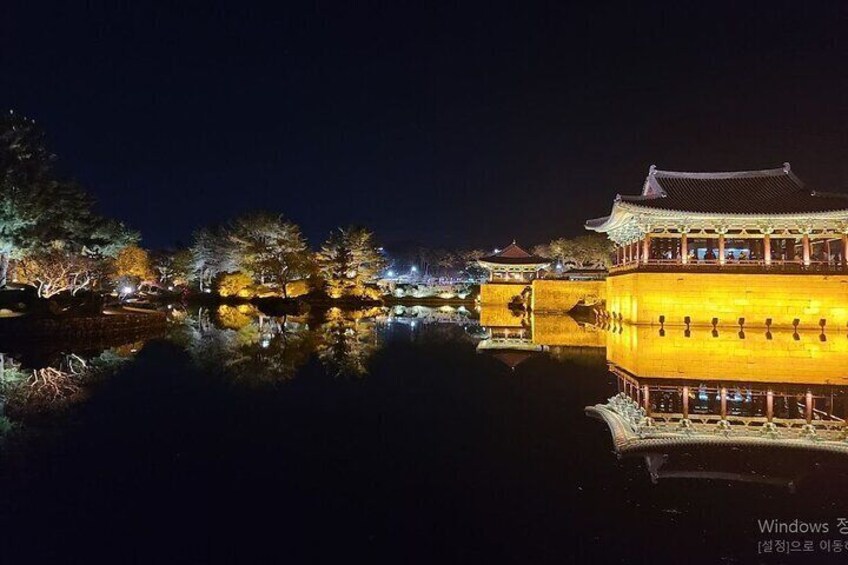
[
  {"x": 41, "y": 389},
  {"x": 348, "y": 340},
  {"x": 246, "y": 344}
]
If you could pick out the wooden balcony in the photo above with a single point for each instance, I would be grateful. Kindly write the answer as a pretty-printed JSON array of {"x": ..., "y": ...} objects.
[{"x": 742, "y": 266}]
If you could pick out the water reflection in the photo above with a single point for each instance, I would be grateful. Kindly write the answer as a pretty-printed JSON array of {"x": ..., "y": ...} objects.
[
  {"x": 35, "y": 384},
  {"x": 700, "y": 390},
  {"x": 249, "y": 345},
  {"x": 347, "y": 341},
  {"x": 244, "y": 343},
  {"x": 514, "y": 336}
]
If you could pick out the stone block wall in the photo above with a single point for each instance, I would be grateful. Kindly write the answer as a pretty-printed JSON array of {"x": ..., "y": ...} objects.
[
  {"x": 500, "y": 294},
  {"x": 552, "y": 295},
  {"x": 641, "y": 298}
]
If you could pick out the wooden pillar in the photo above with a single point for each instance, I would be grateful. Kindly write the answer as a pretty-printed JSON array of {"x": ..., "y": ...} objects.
[
  {"x": 769, "y": 406},
  {"x": 805, "y": 246},
  {"x": 684, "y": 249},
  {"x": 724, "y": 403},
  {"x": 646, "y": 399},
  {"x": 808, "y": 407},
  {"x": 767, "y": 248},
  {"x": 827, "y": 251},
  {"x": 844, "y": 249},
  {"x": 686, "y": 402},
  {"x": 646, "y": 248},
  {"x": 721, "y": 257}
]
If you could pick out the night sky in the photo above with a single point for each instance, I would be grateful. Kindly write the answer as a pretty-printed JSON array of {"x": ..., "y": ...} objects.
[{"x": 444, "y": 124}]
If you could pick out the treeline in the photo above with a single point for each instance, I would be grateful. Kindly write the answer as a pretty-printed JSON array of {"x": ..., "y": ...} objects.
[
  {"x": 263, "y": 252},
  {"x": 52, "y": 239},
  {"x": 591, "y": 251}
]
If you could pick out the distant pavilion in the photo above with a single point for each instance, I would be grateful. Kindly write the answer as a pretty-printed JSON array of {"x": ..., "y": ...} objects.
[
  {"x": 759, "y": 220},
  {"x": 513, "y": 264}
]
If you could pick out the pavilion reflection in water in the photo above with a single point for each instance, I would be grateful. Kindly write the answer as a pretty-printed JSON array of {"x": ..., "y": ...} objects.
[
  {"x": 514, "y": 336},
  {"x": 686, "y": 389}
]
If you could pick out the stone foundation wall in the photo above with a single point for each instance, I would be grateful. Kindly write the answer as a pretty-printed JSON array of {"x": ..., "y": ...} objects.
[
  {"x": 551, "y": 295},
  {"x": 641, "y": 298},
  {"x": 500, "y": 294}
]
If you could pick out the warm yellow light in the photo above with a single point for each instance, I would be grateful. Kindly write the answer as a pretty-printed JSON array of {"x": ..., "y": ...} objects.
[{"x": 755, "y": 357}]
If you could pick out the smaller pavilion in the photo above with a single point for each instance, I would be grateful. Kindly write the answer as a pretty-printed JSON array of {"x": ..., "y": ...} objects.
[{"x": 513, "y": 264}]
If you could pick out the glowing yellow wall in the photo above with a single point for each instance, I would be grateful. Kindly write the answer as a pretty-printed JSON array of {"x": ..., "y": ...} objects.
[
  {"x": 500, "y": 294},
  {"x": 642, "y": 297},
  {"x": 641, "y": 351},
  {"x": 551, "y": 295}
]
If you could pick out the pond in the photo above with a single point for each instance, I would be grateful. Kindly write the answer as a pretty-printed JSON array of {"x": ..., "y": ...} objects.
[{"x": 421, "y": 435}]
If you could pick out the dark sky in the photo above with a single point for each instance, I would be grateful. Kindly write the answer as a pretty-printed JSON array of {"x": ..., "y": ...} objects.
[{"x": 450, "y": 124}]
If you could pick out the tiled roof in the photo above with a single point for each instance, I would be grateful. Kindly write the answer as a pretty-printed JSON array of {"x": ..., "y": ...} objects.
[
  {"x": 770, "y": 191},
  {"x": 512, "y": 254}
]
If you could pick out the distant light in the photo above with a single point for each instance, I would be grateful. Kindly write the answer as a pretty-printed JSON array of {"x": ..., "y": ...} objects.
[
  {"x": 391, "y": 273},
  {"x": 414, "y": 269},
  {"x": 497, "y": 250},
  {"x": 171, "y": 287},
  {"x": 127, "y": 290},
  {"x": 208, "y": 291}
]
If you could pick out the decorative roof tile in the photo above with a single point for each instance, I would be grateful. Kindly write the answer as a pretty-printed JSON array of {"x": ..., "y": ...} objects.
[
  {"x": 512, "y": 254},
  {"x": 770, "y": 191}
]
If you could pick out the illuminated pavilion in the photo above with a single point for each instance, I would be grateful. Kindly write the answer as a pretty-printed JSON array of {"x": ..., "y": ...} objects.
[
  {"x": 747, "y": 247},
  {"x": 762, "y": 219},
  {"x": 513, "y": 264}
]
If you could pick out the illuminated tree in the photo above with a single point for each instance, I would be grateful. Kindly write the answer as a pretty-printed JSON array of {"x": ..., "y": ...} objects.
[
  {"x": 56, "y": 271},
  {"x": 271, "y": 248},
  {"x": 211, "y": 254},
  {"x": 134, "y": 262},
  {"x": 40, "y": 213},
  {"x": 469, "y": 259},
  {"x": 348, "y": 260},
  {"x": 235, "y": 284},
  {"x": 172, "y": 267},
  {"x": 583, "y": 252}
]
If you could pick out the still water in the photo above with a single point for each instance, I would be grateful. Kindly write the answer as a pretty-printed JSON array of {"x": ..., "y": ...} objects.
[{"x": 422, "y": 435}]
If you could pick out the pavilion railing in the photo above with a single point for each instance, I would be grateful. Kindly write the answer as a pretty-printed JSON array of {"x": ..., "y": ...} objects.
[{"x": 730, "y": 265}]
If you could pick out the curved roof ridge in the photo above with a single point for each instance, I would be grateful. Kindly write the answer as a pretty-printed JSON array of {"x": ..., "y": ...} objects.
[
  {"x": 827, "y": 194},
  {"x": 784, "y": 170}
]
